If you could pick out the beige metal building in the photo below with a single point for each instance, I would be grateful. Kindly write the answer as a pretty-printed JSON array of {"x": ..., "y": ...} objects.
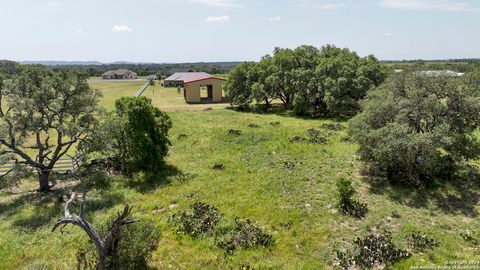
[{"x": 193, "y": 82}]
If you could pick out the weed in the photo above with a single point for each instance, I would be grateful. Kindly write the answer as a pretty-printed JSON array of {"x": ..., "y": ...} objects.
[
  {"x": 218, "y": 167},
  {"x": 297, "y": 138},
  {"x": 201, "y": 220},
  {"x": 346, "y": 204},
  {"x": 243, "y": 234},
  {"x": 419, "y": 241},
  {"x": 247, "y": 267},
  {"x": 469, "y": 238},
  {"x": 372, "y": 251},
  {"x": 182, "y": 136},
  {"x": 234, "y": 132},
  {"x": 395, "y": 214},
  {"x": 314, "y": 136},
  {"x": 289, "y": 165},
  {"x": 333, "y": 126}
]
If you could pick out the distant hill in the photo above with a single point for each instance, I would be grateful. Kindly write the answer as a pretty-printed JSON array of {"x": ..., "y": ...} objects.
[{"x": 62, "y": 63}]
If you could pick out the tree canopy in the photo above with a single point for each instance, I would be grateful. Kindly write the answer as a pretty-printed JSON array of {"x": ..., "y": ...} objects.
[
  {"x": 135, "y": 134},
  {"x": 43, "y": 114},
  {"x": 416, "y": 128},
  {"x": 306, "y": 79}
]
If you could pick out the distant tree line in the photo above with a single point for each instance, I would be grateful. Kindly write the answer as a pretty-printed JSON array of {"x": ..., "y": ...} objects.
[
  {"x": 161, "y": 70},
  {"x": 307, "y": 79},
  {"x": 458, "y": 65}
]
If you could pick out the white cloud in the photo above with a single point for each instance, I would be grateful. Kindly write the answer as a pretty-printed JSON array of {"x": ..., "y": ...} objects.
[
  {"x": 218, "y": 3},
  {"x": 121, "y": 28},
  {"x": 275, "y": 19},
  {"x": 223, "y": 18},
  {"x": 443, "y": 5},
  {"x": 56, "y": 4},
  {"x": 389, "y": 34},
  {"x": 79, "y": 30}
]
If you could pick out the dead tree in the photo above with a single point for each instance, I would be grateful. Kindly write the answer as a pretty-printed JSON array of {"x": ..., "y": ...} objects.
[{"x": 107, "y": 246}]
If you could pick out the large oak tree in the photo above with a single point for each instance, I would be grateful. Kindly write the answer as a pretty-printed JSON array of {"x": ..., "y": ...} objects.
[{"x": 43, "y": 114}]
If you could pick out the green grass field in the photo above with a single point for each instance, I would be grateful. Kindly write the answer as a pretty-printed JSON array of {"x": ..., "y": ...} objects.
[
  {"x": 112, "y": 90},
  {"x": 256, "y": 184}
]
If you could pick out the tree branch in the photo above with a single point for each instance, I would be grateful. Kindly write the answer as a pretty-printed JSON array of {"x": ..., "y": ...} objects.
[{"x": 105, "y": 247}]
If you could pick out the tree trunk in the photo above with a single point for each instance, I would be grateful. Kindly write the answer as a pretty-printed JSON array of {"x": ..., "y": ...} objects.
[{"x": 44, "y": 186}]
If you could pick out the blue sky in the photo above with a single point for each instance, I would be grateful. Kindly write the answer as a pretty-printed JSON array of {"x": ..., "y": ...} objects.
[{"x": 228, "y": 30}]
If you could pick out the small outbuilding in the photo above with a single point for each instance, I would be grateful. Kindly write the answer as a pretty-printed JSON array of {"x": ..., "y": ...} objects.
[
  {"x": 119, "y": 74},
  {"x": 193, "y": 82}
]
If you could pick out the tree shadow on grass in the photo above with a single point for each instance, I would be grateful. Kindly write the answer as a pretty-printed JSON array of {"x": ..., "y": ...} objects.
[
  {"x": 33, "y": 210},
  {"x": 279, "y": 110},
  {"x": 43, "y": 213},
  {"x": 145, "y": 182},
  {"x": 457, "y": 196}
]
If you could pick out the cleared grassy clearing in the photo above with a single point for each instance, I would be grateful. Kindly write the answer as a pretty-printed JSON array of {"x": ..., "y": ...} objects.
[
  {"x": 113, "y": 90},
  {"x": 287, "y": 188}
]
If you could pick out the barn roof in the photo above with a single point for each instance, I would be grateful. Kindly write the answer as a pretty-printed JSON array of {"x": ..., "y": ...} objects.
[{"x": 189, "y": 76}]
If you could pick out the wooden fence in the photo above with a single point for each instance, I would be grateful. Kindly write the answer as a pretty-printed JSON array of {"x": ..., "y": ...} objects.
[{"x": 63, "y": 165}]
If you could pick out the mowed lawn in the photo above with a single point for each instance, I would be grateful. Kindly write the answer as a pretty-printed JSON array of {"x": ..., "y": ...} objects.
[
  {"x": 112, "y": 90},
  {"x": 286, "y": 188}
]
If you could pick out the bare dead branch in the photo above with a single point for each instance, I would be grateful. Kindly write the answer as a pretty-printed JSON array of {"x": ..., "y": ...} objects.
[{"x": 106, "y": 246}]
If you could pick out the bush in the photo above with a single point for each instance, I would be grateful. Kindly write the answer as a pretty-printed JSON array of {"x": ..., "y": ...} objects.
[
  {"x": 136, "y": 134},
  {"x": 333, "y": 126},
  {"x": 414, "y": 129},
  {"x": 138, "y": 241},
  {"x": 314, "y": 136},
  {"x": 469, "y": 238},
  {"x": 243, "y": 234},
  {"x": 201, "y": 220},
  {"x": 419, "y": 241},
  {"x": 235, "y": 132},
  {"x": 218, "y": 167},
  {"x": 372, "y": 252},
  {"x": 346, "y": 204}
]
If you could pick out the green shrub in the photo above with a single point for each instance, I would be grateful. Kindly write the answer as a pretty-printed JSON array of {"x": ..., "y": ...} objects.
[
  {"x": 201, "y": 220},
  {"x": 419, "y": 241},
  {"x": 333, "y": 126},
  {"x": 469, "y": 238},
  {"x": 136, "y": 134},
  {"x": 137, "y": 242},
  {"x": 37, "y": 266},
  {"x": 415, "y": 129},
  {"x": 243, "y": 234},
  {"x": 314, "y": 136},
  {"x": 346, "y": 204},
  {"x": 234, "y": 132},
  {"x": 372, "y": 252}
]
